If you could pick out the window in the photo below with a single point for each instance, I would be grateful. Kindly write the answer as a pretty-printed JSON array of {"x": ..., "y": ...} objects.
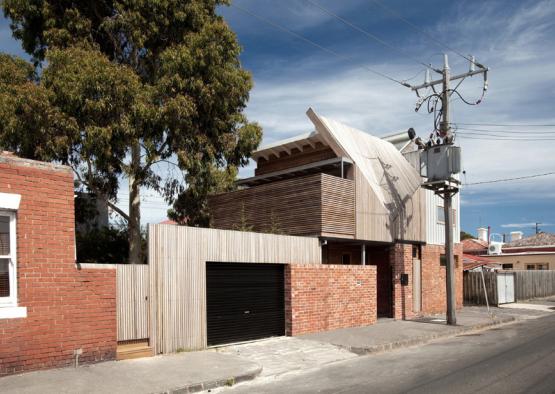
[
  {"x": 441, "y": 216},
  {"x": 8, "y": 276},
  {"x": 507, "y": 266},
  {"x": 443, "y": 261},
  {"x": 541, "y": 266}
]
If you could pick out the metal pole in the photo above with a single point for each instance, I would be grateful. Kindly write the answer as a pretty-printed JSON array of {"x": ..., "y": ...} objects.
[
  {"x": 484, "y": 286},
  {"x": 450, "y": 266},
  {"x": 363, "y": 254}
]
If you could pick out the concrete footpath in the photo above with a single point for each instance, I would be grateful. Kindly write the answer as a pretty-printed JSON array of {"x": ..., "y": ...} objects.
[
  {"x": 179, "y": 373},
  {"x": 389, "y": 334},
  {"x": 269, "y": 358}
]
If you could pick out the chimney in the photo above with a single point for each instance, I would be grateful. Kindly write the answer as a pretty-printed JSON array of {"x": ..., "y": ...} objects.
[
  {"x": 516, "y": 235},
  {"x": 483, "y": 234}
]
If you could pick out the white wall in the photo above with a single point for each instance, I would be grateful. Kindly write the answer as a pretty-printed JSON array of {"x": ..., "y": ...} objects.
[{"x": 435, "y": 232}]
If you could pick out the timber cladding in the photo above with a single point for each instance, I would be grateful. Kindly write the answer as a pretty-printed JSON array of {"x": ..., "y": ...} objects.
[
  {"x": 311, "y": 205},
  {"x": 177, "y": 263},
  {"x": 298, "y": 158}
]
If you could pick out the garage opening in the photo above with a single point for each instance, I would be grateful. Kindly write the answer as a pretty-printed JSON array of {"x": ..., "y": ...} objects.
[{"x": 244, "y": 301}]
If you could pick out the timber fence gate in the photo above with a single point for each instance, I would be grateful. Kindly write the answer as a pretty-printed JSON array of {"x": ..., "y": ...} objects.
[
  {"x": 527, "y": 285},
  {"x": 133, "y": 306}
]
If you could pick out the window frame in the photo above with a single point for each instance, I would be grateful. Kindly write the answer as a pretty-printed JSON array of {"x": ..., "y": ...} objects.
[
  {"x": 442, "y": 209},
  {"x": 11, "y": 300}
]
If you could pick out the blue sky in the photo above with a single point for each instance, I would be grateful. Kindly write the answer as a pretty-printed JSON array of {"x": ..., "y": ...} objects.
[{"x": 514, "y": 38}]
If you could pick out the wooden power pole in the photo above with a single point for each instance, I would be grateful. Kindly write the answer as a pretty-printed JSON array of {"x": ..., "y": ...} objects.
[{"x": 448, "y": 187}]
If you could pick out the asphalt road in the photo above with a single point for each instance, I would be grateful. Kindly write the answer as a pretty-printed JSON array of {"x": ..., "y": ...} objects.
[{"x": 518, "y": 358}]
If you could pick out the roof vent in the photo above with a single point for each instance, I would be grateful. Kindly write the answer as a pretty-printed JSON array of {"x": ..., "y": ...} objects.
[{"x": 483, "y": 234}]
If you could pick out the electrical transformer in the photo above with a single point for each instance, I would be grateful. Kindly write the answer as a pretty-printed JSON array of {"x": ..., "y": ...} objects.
[{"x": 440, "y": 162}]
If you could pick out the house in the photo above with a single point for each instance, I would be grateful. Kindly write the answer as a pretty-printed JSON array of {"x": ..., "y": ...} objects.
[
  {"x": 51, "y": 310},
  {"x": 361, "y": 197},
  {"x": 478, "y": 263},
  {"x": 536, "y": 252}
]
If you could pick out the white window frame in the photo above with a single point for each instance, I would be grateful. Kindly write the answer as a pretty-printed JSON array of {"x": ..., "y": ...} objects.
[
  {"x": 11, "y": 301},
  {"x": 453, "y": 216}
]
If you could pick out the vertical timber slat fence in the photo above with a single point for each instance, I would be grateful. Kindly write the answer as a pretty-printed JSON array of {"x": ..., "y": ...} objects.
[
  {"x": 528, "y": 284},
  {"x": 532, "y": 284},
  {"x": 473, "y": 288}
]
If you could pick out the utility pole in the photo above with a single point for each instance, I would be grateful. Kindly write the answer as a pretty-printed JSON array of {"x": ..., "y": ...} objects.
[
  {"x": 537, "y": 228},
  {"x": 447, "y": 187}
]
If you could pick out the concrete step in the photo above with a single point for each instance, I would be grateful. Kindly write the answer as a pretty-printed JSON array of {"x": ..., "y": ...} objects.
[{"x": 137, "y": 349}]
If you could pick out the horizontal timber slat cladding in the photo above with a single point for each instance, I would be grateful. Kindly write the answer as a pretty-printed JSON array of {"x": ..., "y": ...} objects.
[
  {"x": 297, "y": 158},
  {"x": 309, "y": 205},
  {"x": 177, "y": 263}
]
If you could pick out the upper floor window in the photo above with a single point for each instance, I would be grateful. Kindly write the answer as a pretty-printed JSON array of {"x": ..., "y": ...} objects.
[
  {"x": 8, "y": 273},
  {"x": 441, "y": 216}
]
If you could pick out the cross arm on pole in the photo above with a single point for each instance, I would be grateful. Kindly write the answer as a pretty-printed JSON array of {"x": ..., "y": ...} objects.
[{"x": 453, "y": 78}]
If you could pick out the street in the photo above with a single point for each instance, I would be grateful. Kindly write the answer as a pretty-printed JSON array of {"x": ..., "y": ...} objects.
[{"x": 515, "y": 358}]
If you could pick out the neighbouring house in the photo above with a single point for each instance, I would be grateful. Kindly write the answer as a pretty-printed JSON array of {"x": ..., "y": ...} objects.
[
  {"x": 536, "y": 252},
  {"x": 360, "y": 195},
  {"x": 51, "y": 310},
  {"x": 479, "y": 263}
]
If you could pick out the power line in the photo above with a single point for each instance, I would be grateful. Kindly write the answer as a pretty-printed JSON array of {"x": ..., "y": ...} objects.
[
  {"x": 503, "y": 139},
  {"x": 510, "y": 179},
  {"x": 422, "y": 31},
  {"x": 507, "y": 125},
  {"x": 370, "y": 35},
  {"x": 330, "y": 51},
  {"x": 503, "y": 131},
  {"x": 503, "y": 136}
]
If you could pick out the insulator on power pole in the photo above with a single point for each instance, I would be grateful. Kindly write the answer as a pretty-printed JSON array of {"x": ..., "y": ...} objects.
[
  {"x": 427, "y": 77},
  {"x": 472, "y": 64}
]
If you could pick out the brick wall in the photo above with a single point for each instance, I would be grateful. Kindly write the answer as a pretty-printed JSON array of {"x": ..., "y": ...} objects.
[
  {"x": 67, "y": 308},
  {"x": 433, "y": 279},
  {"x": 326, "y": 297}
]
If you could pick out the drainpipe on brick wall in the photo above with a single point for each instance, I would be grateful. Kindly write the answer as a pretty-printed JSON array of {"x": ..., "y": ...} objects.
[{"x": 363, "y": 254}]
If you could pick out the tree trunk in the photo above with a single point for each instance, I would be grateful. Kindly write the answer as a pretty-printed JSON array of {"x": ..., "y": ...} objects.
[{"x": 134, "y": 236}]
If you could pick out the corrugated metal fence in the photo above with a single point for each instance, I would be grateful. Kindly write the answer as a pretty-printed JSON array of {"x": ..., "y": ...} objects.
[
  {"x": 528, "y": 284},
  {"x": 132, "y": 302}
]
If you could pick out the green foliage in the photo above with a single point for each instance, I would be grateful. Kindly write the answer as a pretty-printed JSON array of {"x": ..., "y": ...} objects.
[
  {"x": 465, "y": 235},
  {"x": 243, "y": 224},
  {"x": 107, "y": 245},
  {"x": 162, "y": 77},
  {"x": 275, "y": 226}
]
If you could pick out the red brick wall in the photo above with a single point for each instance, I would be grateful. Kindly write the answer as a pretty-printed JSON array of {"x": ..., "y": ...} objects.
[
  {"x": 67, "y": 308},
  {"x": 326, "y": 297},
  {"x": 433, "y": 279}
]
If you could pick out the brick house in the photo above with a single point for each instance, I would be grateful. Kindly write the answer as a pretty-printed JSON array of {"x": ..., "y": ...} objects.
[
  {"x": 361, "y": 196},
  {"x": 50, "y": 308}
]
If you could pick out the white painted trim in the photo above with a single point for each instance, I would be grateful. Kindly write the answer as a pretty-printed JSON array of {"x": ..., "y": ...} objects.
[
  {"x": 12, "y": 258},
  {"x": 10, "y": 201},
  {"x": 13, "y": 312}
]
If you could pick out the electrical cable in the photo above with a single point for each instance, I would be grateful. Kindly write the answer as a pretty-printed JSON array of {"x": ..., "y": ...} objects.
[
  {"x": 370, "y": 35},
  {"x": 507, "y": 125},
  {"x": 503, "y": 131},
  {"x": 303, "y": 38},
  {"x": 422, "y": 31},
  {"x": 504, "y": 139},
  {"x": 510, "y": 179},
  {"x": 502, "y": 136}
]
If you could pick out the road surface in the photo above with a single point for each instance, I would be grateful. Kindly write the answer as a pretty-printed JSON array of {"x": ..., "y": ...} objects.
[{"x": 516, "y": 358}]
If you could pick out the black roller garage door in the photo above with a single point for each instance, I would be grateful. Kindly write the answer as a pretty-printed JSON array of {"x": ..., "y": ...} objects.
[{"x": 244, "y": 302}]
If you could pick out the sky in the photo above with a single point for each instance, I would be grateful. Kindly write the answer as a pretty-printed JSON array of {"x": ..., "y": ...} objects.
[{"x": 515, "y": 38}]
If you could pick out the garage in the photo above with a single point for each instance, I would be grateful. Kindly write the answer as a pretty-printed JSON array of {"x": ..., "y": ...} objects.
[{"x": 244, "y": 301}]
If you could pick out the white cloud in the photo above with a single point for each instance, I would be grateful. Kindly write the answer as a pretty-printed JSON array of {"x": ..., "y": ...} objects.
[{"x": 522, "y": 225}]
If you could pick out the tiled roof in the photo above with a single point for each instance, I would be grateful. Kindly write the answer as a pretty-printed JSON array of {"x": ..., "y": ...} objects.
[
  {"x": 474, "y": 244},
  {"x": 470, "y": 262},
  {"x": 540, "y": 239}
]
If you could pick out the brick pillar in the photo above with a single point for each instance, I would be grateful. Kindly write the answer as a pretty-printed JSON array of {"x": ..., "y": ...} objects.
[{"x": 401, "y": 262}]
